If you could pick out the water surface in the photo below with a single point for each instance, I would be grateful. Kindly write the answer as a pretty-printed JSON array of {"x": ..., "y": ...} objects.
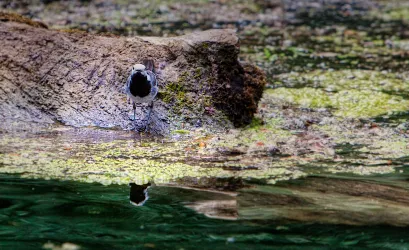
[{"x": 93, "y": 216}]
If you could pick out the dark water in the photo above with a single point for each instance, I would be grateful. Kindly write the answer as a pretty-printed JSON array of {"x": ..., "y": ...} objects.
[{"x": 34, "y": 212}]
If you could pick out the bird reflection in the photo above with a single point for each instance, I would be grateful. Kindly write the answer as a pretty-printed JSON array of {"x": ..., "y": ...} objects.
[{"x": 138, "y": 194}]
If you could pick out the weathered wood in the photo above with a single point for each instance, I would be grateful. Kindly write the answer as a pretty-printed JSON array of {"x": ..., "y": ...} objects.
[{"x": 77, "y": 78}]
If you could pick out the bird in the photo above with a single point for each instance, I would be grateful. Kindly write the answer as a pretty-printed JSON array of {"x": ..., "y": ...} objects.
[{"x": 141, "y": 86}]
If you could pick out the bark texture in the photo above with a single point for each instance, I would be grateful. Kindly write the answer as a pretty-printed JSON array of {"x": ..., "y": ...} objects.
[{"x": 77, "y": 78}]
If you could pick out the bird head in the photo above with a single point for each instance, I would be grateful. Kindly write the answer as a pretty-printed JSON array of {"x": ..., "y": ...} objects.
[{"x": 138, "y": 68}]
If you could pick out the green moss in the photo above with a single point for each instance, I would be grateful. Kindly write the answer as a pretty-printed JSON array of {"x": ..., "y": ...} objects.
[
  {"x": 174, "y": 87},
  {"x": 198, "y": 73},
  {"x": 166, "y": 96},
  {"x": 186, "y": 103},
  {"x": 256, "y": 123},
  {"x": 174, "y": 93},
  {"x": 207, "y": 100}
]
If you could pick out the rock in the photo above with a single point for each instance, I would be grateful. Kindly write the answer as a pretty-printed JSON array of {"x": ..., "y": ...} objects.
[{"x": 77, "y": 79}]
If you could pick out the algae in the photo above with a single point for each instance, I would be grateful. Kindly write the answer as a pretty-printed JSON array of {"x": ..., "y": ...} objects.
[
  {"x": 346, "y": 103},
  {"x": 116, "y": 162}
]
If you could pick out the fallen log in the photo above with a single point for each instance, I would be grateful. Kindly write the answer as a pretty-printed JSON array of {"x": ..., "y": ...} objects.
[{"x": 78, "y": 79}]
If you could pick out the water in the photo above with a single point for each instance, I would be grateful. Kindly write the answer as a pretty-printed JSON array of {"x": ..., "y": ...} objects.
[{"x": 92, "y": 216}]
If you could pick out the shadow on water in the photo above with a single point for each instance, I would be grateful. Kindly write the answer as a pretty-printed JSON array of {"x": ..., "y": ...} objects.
[{"x": 310, "y": 213}]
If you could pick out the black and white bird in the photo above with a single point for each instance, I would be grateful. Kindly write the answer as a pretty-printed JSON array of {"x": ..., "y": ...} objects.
[{"x": 141, "y": 86}]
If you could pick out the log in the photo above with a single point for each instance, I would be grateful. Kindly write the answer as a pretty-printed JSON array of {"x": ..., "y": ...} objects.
[{"x": 78, "y": 79}]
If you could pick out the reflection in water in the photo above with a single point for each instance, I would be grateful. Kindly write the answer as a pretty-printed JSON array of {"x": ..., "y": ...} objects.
[
  {"x": 138, "y": 194},
  {"x": 218, "y": 209},
  {"x": 224, "y": 207},
  {"x": 310, "y": 213}
]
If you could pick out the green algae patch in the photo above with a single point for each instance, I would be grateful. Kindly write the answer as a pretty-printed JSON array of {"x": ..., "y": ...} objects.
[
  {"x": 258, "y": 136},
  {"x": 351, "y": 94},
  {"x": 121, "y": 161},
  {"x": 306, "y": 97},
  {"x": 264, "y": 150},
  {"x": 392, "y": 14},
  {"x": 381, "y": 145},
  {"x": 364, "y": 170},
  {"x": 334, "y": 81},
  {"x": 180, "y": 131},
  {"x": 366, "y": 103},
  {"x": 100, "y": 167},
  {"x": 346, "y": 103}
]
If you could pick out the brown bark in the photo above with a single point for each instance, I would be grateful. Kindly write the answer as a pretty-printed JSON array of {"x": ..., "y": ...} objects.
[{"x": 78, "y": 78}]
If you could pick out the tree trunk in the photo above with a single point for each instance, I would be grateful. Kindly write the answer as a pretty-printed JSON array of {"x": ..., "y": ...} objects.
[{"x": 78, "y": 79}]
